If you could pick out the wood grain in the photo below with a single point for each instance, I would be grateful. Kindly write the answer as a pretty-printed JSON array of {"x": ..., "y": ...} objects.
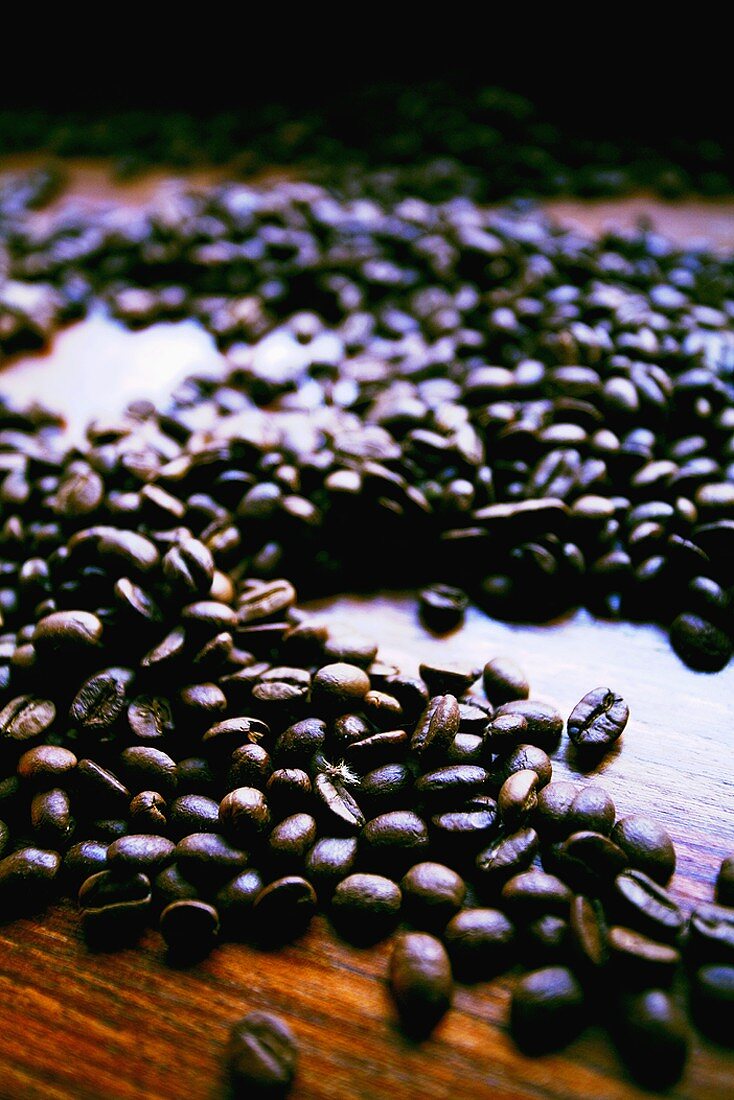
[{"x": 86, "y": 1026}]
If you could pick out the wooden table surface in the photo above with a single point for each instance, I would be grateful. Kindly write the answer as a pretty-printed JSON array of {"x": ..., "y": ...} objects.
[{"x": 79, "y": 1025}]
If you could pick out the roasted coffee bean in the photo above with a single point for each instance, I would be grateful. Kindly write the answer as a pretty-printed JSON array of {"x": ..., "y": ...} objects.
[
  {"x": 150, "y": 718},
  {"x": 639, "y": 903},
  {"x": 330, "y": 860},
  {"x": 699, "y": 643},
  {"x": 339, "y": 686},
  {"x": 652, "y": 1038},
  {"x": 189, "y": 568},
  {"x": 283, "y": 909},
  {"x": 506, "y": 856},
  {"x": 436, "y": 727},
  {"x": 208, "y": 859},
  {"x": 544, "y": 722},
  {"x": 229, "y": 734},
  {"x": 712, "y": 1002},
  {"x": 289, "y": 789},
  {"x": 264, "y": 600},
  {"x": 378, "y": 748},
  {"x": 393, "y": 841},
  {"x": 589, "y": 860},
  {"x": 442, "y": 608},
  {"x": 235, "y": 900},
  {"x": 480, "y": 943},
  {"x": 591, "y": 810},
  {"x": 547, "y": 941},
  {"x": 290, "y": 841},
  {"x": 547, "y": 1010},
  {"x": 300, "y": 742},
  {"x": 51, "y": 818},
  {"x": 67, "y": 633},
  {"x": 552, "y": 814},
  {"x": 459, "y": 833},
  {"x": 725, "y": 882},
  {"x": 250, "y": 766},
  {"x": 352, "y": 649},
  {"x": 646, "y": 845},
  {"x": 99, "y": 788},
  {"x": 26, "y": 718},
  {"x": 365, "y": 907},
  {"x": 148, "y": 813},
  {"x": 531, "y": 894},
  {"x": 46, "y": 766},
  {"x": 140, "y": 852},
  {"x": 193, "y": 813},
  {"x": 190, "y": 928},
  {"x": 432, "y": 894},
  {"x": 518, "y": 798},
  {"x": 522, "y": 758},
  {"x": 420, "y": 981},
  {"x": 114, "y": 907},
  {"x": 472, "y": 720},
  {"x": 410, "y": 692},
  {"x": 504, "y": 682},
  {"x": 262, "y": 1055},
  {"x": 598, "y": 720},
  {"x": 136, "y": 607},
  {"x": 467, "y": 748},
  {"x": 388, "y": 787},
  {"x": 639, "y": 962},
  {"x": 195, "y": 775},
  {"x": 588, "y": 936},
  {"x": 447, "y": 680},
  {"x": 244, "y": 814},
  {"x": 81, "y": 861},
  {"x": 504, "y": 732},
  {"x": 27, "y": 879},
  {"x": 382, "y": 709},
  {"x": 336, "y": 805},
  {"x": 451, "y": 785},
  {"x": 146, "y": 768},
  {"x": 711, "y": 935}
]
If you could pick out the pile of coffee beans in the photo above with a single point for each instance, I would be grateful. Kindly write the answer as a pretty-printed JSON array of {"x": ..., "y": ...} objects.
[
  {"x": 548, "y": 418},
  {"x": 432, "y": 139}
]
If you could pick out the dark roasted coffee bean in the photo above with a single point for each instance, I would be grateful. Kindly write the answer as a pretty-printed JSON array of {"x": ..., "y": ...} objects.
[
  {"x": 300, "y": 742},
  {"x": 725, "y": 882},
  {"x": 447, "y": 680},
  {"x": 591, "y": 810},
  {"x": 711, "y": 935},
  {"x": 189, "y": 568},
  {"x": 146, "y": 768},
  {"x": 652, "y": 1038},
  {"x": 480, "y": 943},
  {"x": 46, "y": 766},
  {"x": 504, "y": 732},
  {"x": 589, "y": 860},
  {"x": 699, "y": 643},
  {"x": 81, "y": 861},
  {"x": 420, "y": 981},
  {"x": 459, "y": 833},
  {"x": 365, "y": 907},
  {"x": 194, "y": 774},
  {"x": 547, "y": 1010},
  {"x": 193, "y": 813},
  {"x": 588, "y": 936},
  {"x": 712, "y": 1002},
  {"x": 531, "y": 894},
  {"x": 350, "y": 648},
  {"x": 27, "y": 879},
  {"x": 262, "y": 1056},
  {"x": 26, "y": 718},
  {"x": 150, "y": 718},
  {"x": 547, "y": 941},
  {"x": 522, "y": 758},
  {"x": 289, "y": 790},
  {"x": 506, "y": 856},
  {"x": 394, "y": 841},
  {"x": 200, "y": 703},
  {"x": 388, "y": 787},
  {"x": 451, "y": 785},
  {"x": 382, "y": 709},
  {"x": 140, "y": 852},
  {"x": 250, "y": 766},
  {"x": 244, "y": 814},
  {"x": 190, "y": 928},
  {"x": 442, "y": 608},
  {"x": 99, "y": 789},
  {"x": 330, "y": 860},
  {"x": 598, "y": 720},
  {"x": 553, "y": 810},
  {"x": 114, "y": 907},
  {"x": 472, "y": 719},
  {"x": 67, "y": 633},
  {"x": 377, "y": 748},
  {"x": 544, "y": 722},
  {"x": 283, "y": 909},
  {"x": 646, "y": 845},
  {"x": 229, "y": 734},
  {"x": 148, "y": 813},
  {"x": 336, "y": 805},
  {"x": 51, "y": 818},
  {"x": 264, "y": 600},
  {"x": 234, "y": 902},
  {"x": 410, "y": 692},
  {"x": 432, "y": 894},
  {"x": 504, "y": 681},
  {"x": 208, "y": 859},
  {"x": 136, "y": 607},
  {"x": 638, "y": 902},
  {"x": 518, "y": 798},
  {"x": 169, "y": 886},
  {"x": 167, "y": 654},
  {"x": 436, "y": 728},
  {"x": 639, "y": 962},
  {"x": 290, "y": 841},
  {"x": 339, "y": 686}
]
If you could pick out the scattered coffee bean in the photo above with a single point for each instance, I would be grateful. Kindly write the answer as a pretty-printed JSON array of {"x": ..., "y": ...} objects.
[
  {"x": 420, "y": 981},
  {"x": 262, "y": 1055}
]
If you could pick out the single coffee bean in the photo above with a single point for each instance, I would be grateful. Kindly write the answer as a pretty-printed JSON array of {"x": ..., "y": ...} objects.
[
  {"x": 460, "y": 833},
  {"x": 598, "y": 720},
  {"x": 377, "y": 748},
  {"x": 339, "y": 810},
  {"x": 432, "y": 893},
  {"x": 639, "y": 903},
  {"x": 547, "y": 941},
  {"x": 250, "y": 766},
  {"x": 410, "y": 692},
  {"x": 699, "y": 643},
  {"x": 588, "y": 936},
  {"x": 724, "y": 882},
  {"x": 208, "y": 860},
  {"x": 27, "y": 879},
  {"x": 244, "y": 814},
  {"x": 547, "y": 1010},
  {"x": 552, "y": 815},
  {"x": 290, "y": 841},
  {"x": 712, "y": 1002},
  {"x": 652, "y": 1038},
  {"x": 647, "y": 846},
  {"x": 193, "y": 813},
  {"x": 451, "y": 784},
  {"x": 442, "y": 608},
  {"x": 531, "y": 894},
  {"x": 365, "y": 907},
  {"x": 639, "y": 962},
  {"x": 589, "y": 860},
  {"x": 283, "y": 909},
  {"x": 67, "y": 632},
  {"x": 480, "y": 943},
  {"x": 235, "y": 900},
  {"x": 420, "y": 981},
  {"x": 504, "y": 732},
  {"x": 330, "y": 860},
  {"x": 81, "y": 861},
  {"x": 711, "y": 935},
  {"x": 224, "y": 737},
  {"x": 447, "y": 680},
  {"x": 140, "y": 852},
  {"x": 26, "y": 718},
  {"x": 190, "y": 929},
  {"x": 544, "y": 722},
  {"x": 170, "y": 885},
  {"x": 300, "y": 742},
  {"x": 339, "y": 686},
  {"x": 436, "y": 728},
  {"x": 392, "y": 842},
  {"x": 504, "y": 681},
  {"x": 505, "y": 857},
  {"x": 518, "y": 798},
  {"x": 262, "y": 1056},
  {"x": 523, "y": 758},
  {"x": 51, "y": 818},
  {"x": 146, "y": 768},
  {"x": 46, "y": 766},
  {"x": 149, "y": 813},
  {"x": 99, "y": 788},
  {"x": 189, "y": 568},
  {"x": 592, "y": 810},
  {"x": 388, "y": 787},
  {"x": 289, "y": 790},
  {"x": 114, "y": 907}
]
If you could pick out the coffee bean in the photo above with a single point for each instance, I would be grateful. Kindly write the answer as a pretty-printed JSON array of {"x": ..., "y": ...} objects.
[
  {"x": 27, "y": 879},
  {"x": 505, "y": 732},
  {"x": 51, "y": 818},
  {"x": 547, "y": 1010},
  {"x": 81, "y": 861},
  {"x": 290, "y": 841},
  {"x": 442, "y": 608},
  {"x": 506, "y": 856},
  {"x": 589, "y": 860},
  {"x": 235, "y": 901},
  {"x": 592, "y": 810},
  {"x": 652, "y": 1040},
  {"x": 262, "y": 1055},
  {"x": 365, "y": 907},
  {"x": 67, "y": 632},
  {"x": 284, "y": 908},
  {"x": 518, "y": 798},
  {"x": 523, "y": 758},
  {"x": 150, "y": 718},
  {"x": 339, "y": 686},
  {"x": 699, "y": 643},
  {"x": 189, "y": 568},
  {"x": 193, "y": 813},
  {"x": 725, "y": 882},
  {"x": 588, "y": 936},
  {"x": 646, "y": 845},
  {"x": 480, "y": 942},
  {"x": 598, "y": 720},
  {"x": 533, "y": 893},
  {"x": 504, "y": 682},
  {"x": 432, "y": 894},
  {"x": 148, "y": 768},
  {"x": 114, "y": 907},
  {"x": 26, "y": 718},
  {"x": 451, "y": 785},
  {"x": 447, "y": 680},
  {"x": 208, "y": 860},
  {"x": 711, "y": 934},
  {"x": 46, "y": 766},
  {"x": 641, "y": 904},
  {"x": 190, "y": 929},
  {"x": 244, "y": 814},
  {"x": 552, "y": 815},
  {"x": 250, "y": 766},
  {"x": 640, "y": 962},
  {"x": 547, "y": 941},
  {"x": 99, "y": 788},
  {"x": 712, "y": 1002},
  {"x": 436, "y": 728},
  {"x": 420, "y": 981},
  {"x": 394, "y": 841},
  {"x": 231, "y": 733},
  {"x": 330, "y": 860},
  {"x": 140, "y": 852}
]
